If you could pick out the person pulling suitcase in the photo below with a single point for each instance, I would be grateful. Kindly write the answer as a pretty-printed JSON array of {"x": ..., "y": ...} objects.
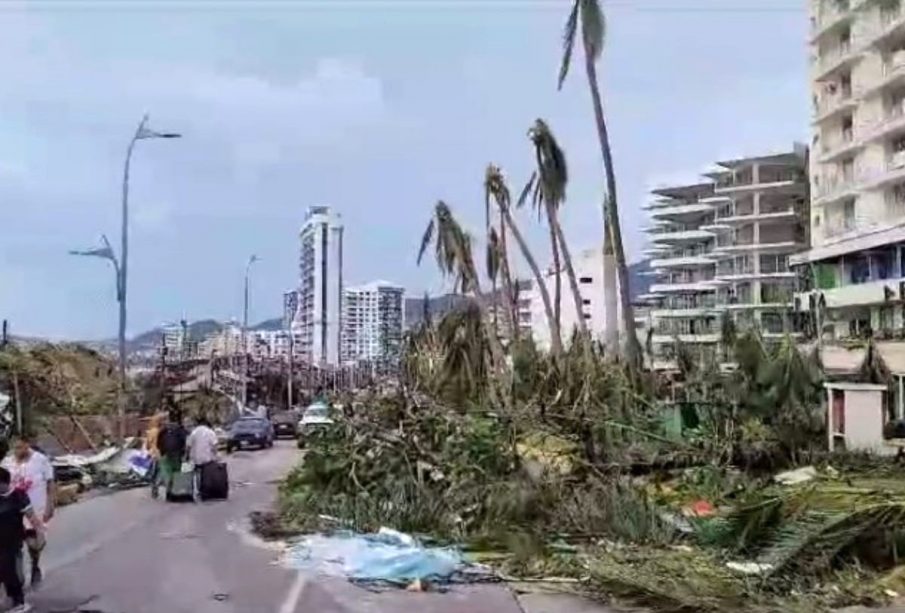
[{"x": 202, "y": 453}]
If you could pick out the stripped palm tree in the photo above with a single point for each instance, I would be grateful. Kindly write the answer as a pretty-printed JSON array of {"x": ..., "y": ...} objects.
[
  {"x": 453, "y": 254},
  {"x": 495, "y": 187},
  {"x": 493, "y": 263},
  {"x": 589, "y": 13},
  {"x": 550, "y": 193},
  {"x": 510, "y": 291}
]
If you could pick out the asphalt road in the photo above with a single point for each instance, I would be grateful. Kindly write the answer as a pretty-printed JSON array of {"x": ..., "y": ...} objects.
[{"x": 125, "y": 553}]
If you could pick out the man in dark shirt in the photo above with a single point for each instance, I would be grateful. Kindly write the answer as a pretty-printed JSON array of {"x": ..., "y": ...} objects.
[
  {"x": 14, "y": 507},
  {"x": 171, "y": 444}
]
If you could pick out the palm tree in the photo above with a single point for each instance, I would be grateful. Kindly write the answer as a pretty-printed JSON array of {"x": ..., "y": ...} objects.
[
  {"x": 452, "y": 251},
  {"x": 550, "y": 193},
  {"x": 592, "y": 35},
  {"x": 495, "y": 187}
]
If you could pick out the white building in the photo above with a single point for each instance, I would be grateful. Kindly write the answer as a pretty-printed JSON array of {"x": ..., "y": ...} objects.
[
  {"x": 588, "y": 267},
  {"x": 723, "y": 246},
  {"x": 372, "y": 322},
  {"x": 175, "y": 339},
  {"x": 320, "y": 286},
  {"x": 856, "y": 263}
]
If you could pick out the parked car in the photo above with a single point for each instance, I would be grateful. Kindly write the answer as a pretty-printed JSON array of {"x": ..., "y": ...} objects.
[
  {"x": 316, "y": 417},
  {"x": 284, "y": 424},
  {"x": 250, "y": 432}
]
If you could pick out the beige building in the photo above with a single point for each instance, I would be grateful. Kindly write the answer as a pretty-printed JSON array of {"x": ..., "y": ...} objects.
[
  {"x": 856, "y": 264},
  {"x": 722, "y": 246}
]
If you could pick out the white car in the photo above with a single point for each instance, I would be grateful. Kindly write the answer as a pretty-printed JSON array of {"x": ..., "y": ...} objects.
[{"x": 317, "y": 415}]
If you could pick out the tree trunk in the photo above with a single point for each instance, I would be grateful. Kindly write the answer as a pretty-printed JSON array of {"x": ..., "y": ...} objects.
[
  {"x": 510, "y": 292},
  {"x": 557, "y": 279},
  {"x": 611, "y": 217},
  {"x": 553, "y": 220},
  {"x": 610, "y": 296},
  {"x": 555, "y": 335}
]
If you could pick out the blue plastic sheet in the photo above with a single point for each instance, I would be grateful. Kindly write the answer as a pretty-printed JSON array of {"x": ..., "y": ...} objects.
[{"x": 387, "y": 556}]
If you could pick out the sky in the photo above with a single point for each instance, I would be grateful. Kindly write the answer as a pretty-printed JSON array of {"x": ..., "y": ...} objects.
[{"x": 376, "y": 107}]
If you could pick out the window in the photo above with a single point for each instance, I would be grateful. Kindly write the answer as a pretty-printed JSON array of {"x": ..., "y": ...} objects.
[
  {"x": 586, "y": 301},
  {"x": 586, "y": 315},
  {"x": 586, "y": 280}
]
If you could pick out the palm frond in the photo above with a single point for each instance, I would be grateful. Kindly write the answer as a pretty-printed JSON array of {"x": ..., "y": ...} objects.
[
  {"x": 593, "y": 27},
  {"x": 526, "y": 191},
  {"x": 553, "y": 172},
  {"x": 426, "y": 240},
  {"x": 568, "y": 43},
  {"x": 493, "y": 255}
]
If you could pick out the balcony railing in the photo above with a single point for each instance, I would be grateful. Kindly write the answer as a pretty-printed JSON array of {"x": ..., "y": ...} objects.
[
  {"x": 831, "y": 102},
  {"x": 840, "y": 227},
  {"x": 830, "y": 13}
]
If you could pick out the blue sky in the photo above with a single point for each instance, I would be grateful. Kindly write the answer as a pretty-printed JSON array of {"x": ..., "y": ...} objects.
[{"x": 377, "y": 107}]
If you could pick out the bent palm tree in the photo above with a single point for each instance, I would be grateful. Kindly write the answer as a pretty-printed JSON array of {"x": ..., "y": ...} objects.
[
  {"x": 592, "y": 36},
  {"x": 452, "y": 251},
  {"x": 550, "y": 192},
  {"x": 495, "y": 187}
]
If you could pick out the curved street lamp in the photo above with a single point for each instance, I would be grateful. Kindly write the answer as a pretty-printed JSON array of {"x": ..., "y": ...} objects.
[{"x": 121, "y": 264}]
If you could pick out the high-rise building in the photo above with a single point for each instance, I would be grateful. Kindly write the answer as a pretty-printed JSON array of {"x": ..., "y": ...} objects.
[
  {"x": 721, "y": 248},
  {"x": 372, "y": 323},
  {"x": 856, "y": 262},
  {"x": 320, "y": 286},
  {"x": 290, "y": 307},
  {"x": 588, "y": 265}
]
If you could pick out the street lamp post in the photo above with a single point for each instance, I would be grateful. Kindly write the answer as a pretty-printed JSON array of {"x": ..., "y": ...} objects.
[
  {"x": 121, "y": 264},
  {"x": 251, "y": 260}
]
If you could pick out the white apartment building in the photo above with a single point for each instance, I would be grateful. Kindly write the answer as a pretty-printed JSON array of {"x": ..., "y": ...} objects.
[
  {"x": 588, "y": 266},
  {"x": 723, "y": 246},
  {"x": 175, "y": 339},
  {"x": 372, "y": 322},
  {"x": 855, "y": 266},
  {"x": 320, "y": 286}
]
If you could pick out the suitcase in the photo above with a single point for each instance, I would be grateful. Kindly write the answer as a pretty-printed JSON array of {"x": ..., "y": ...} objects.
[
  {"x": 214, "y": 481},
  {"x": 182, "y": 488}
]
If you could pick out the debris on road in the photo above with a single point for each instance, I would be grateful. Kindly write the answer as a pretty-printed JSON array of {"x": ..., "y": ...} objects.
[{"x": 387, "y": 556}]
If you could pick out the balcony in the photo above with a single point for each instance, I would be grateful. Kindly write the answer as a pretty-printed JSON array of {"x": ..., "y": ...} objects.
[
  {"x": 892, "y": 20},
  {"x": 832, "y": 105},
  {"x": 836, "y": 188},
  {"x": 892, "y": 122},
  {"x": 767, "y": 179},
  {"x": 678, "y": 236},
  {"x": 702, "y": 338},
  {"x": 844, "y": 145},
  {"x": 682, "y": 287},
  {"x": 893, "y": 74},
  {"x": 682, "y": 211},
  {"x": 682, "y": 261},
  {"x": 842, "y": 56},
  {"x": 832, "y": 17},
  {"x": 783, "y": 214},
  {"x": 893, "y": 172}
]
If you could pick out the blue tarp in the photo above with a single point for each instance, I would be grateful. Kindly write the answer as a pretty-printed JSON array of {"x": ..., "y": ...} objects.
[{"x": 387, "y": 556}]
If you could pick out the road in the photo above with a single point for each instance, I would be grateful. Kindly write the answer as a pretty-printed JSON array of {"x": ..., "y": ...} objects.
[{"x": 125, "y": 553}]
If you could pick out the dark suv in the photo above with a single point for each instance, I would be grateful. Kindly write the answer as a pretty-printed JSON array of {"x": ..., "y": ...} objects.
[{"x": 250, "y": 432}]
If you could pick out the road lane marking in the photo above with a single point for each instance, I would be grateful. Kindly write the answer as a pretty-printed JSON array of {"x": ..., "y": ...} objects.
[{"x": 295, "y": 593}]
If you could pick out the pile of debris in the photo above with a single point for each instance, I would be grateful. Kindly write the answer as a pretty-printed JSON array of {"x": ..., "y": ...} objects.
[
  {"x": 701, "y": 538},
  {"x": 113, "y": 468}
]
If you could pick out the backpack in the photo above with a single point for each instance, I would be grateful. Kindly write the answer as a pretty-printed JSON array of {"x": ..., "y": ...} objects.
[{"x": 171, "y": 440}]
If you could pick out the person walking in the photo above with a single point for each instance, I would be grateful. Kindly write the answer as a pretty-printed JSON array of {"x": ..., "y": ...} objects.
[
  {"x": 202, "y": 450},
  {"x": 15, "y": 509},
  {"x": 171, "y": 444},
  {"x": 31, "y": 473}
]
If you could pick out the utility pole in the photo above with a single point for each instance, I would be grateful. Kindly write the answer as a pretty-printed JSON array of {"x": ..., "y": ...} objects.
[
  {"x": 289, "y": 378},
  {"x": 251, "y": 260}
]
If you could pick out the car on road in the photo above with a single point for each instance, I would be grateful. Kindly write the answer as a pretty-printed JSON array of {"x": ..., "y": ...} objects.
[
  {"x": 316, "y": 417},
  {"x": 284, "y": 424},
  {"x": 250, "y": 432}
]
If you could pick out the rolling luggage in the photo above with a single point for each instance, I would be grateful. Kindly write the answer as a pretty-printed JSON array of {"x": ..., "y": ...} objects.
[
  {"x": 182, "y": 488},
  {"x": 214, "y": 481}
]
